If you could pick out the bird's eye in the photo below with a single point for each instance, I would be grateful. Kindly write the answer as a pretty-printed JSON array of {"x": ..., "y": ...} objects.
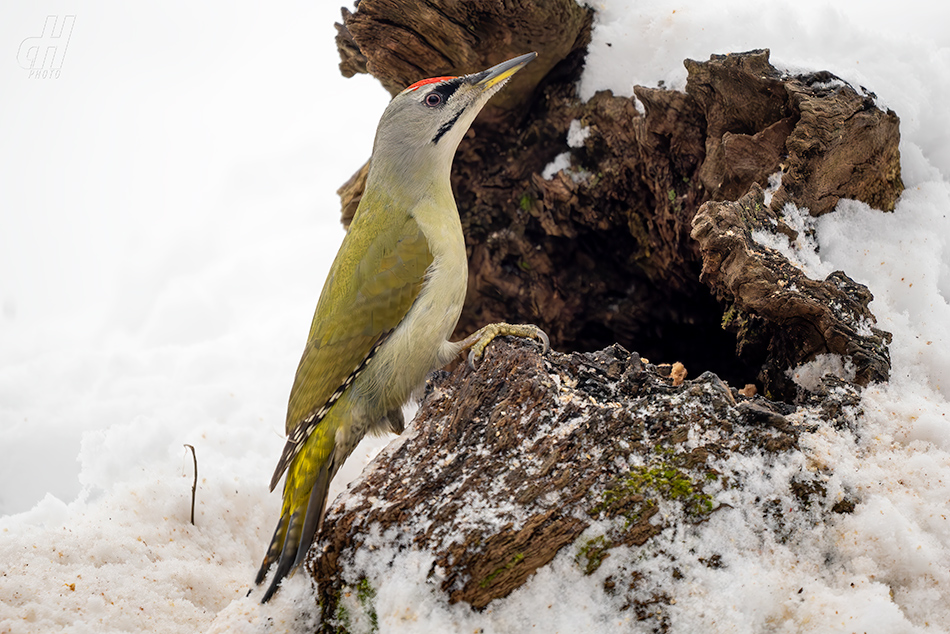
[{"x": 433, "y": 99}]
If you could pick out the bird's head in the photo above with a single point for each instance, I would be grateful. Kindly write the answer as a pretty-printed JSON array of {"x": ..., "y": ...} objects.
[{"x": 423, "y": 125}]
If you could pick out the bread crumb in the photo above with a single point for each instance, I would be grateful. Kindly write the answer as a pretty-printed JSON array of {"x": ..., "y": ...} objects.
[{"x": 678, "y": 373}]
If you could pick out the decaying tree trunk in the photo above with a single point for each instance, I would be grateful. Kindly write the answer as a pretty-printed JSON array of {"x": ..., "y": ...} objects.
[
  {"x": 651, "y": 239},
  {"x": 545, "y": 448},
  {"x": 601, "y": 252},
  {"x": 775, "y": 306},
  {"x": 401, "y": 42}
]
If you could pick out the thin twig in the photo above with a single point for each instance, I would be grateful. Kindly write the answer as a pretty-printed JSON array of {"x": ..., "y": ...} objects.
[{"x": 194, "y": 485}]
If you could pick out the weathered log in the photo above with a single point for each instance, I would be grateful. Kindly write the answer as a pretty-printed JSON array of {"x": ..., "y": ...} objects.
[
  {"x": 400, "y": 41},
  {"x": 775, "y": 308},
  {"x": 601, "y": 252},
  {"x": 578, "y": 453},
  {"x": 544, "y": 448},
  {"x": 830, "y": 140}
]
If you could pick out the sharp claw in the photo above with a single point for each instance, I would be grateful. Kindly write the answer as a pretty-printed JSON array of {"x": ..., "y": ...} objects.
[
  {"x": 545, "y": 342},
  {"x": 471, "y": 359}
]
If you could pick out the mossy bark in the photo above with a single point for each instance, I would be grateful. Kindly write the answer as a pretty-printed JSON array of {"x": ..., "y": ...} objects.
[
  {"x": 646, "y": 241},
  {"x": 545, "y": 447}
]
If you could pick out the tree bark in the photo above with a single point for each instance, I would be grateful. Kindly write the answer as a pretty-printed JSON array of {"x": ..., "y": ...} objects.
[
  {"x": 602, "y": 252},
  {"x": 778, "y": 311},
  {"x": 545, "y": 448},
  {"x": 646, "y": 241}
]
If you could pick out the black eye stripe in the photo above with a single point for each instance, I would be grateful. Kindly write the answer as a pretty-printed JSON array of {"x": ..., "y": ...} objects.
[
  {"x": 445, "y": 90},
  {"x": 448, "y": 88}
]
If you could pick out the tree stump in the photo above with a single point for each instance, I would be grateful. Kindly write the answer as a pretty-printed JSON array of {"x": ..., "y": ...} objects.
[
  {"x": 601, "y": 252},
  {"x": 528, "y": 457},
  {"x": 646, "y": 241},
  {"x": 776, "y": 310}
]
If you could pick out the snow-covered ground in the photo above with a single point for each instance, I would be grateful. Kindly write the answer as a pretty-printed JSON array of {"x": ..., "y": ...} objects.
[{"x": 168, "y": 216}]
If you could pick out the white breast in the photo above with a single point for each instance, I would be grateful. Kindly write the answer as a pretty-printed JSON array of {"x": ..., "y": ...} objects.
[{"x": 420, "y": 343}]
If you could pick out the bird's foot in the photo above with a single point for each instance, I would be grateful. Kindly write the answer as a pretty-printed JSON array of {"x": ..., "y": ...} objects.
[{"x": 477, "y": 342}]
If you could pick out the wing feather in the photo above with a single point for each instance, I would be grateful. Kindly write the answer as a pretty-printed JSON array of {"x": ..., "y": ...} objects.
[{"x": 369, "y": 290}]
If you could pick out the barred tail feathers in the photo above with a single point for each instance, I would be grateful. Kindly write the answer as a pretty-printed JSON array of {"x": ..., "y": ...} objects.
[
  {"x": 304, "y": 500},
  {"x": 301, "y": 530},
  {"x": 273, "y": 550}
]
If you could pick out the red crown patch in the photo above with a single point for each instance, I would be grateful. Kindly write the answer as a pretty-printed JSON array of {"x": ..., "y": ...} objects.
[{"x": 422, "y": 82}]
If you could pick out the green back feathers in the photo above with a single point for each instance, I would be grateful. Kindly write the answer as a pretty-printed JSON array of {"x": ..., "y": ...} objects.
[{"x": 372, "y": 284}]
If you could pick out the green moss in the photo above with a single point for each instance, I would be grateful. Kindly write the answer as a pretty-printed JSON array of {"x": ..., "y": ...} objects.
[
  {"x": 526, "y": 201},
  {"x": 365, "y": 592},
  {"x": 671, "y": 195},
  {"x": 365, "y": 598},
  {"x": 730, "y": 316},
  {"x": 341, "y": 617},
  {"x": 634, "y": 497},
  {"x": 643, "y": 486},
  {"x": 592, "y": 553},
  {"x": 515, "y": 560}
]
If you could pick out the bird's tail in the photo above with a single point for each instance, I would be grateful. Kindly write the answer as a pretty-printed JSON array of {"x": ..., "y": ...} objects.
[{"x": 305, "y": 498}]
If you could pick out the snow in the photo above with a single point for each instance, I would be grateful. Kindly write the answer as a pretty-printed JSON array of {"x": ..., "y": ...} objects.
[
  {"x": 561, "y": 162},
  {"x": 577, "y": 134},
  {"x": 802, "y": 251},
  {"x": 169, "y": 214},
  {"x": 808, "y": 375}
]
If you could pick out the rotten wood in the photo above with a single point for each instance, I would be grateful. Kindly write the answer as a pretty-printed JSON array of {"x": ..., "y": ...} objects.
[
  {"x": 504, "y": 467},
  {"x": 775, "y": 308},
  {"x": 645, "y": 240},
  {"x": 602, "y": 252}
]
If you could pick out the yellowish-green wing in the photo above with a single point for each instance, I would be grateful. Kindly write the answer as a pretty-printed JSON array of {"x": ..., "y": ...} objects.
[{"x": 371, "y": 286}]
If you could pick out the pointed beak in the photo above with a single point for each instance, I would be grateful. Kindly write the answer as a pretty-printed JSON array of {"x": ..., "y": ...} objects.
[{"x": 496, "y": 75}]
